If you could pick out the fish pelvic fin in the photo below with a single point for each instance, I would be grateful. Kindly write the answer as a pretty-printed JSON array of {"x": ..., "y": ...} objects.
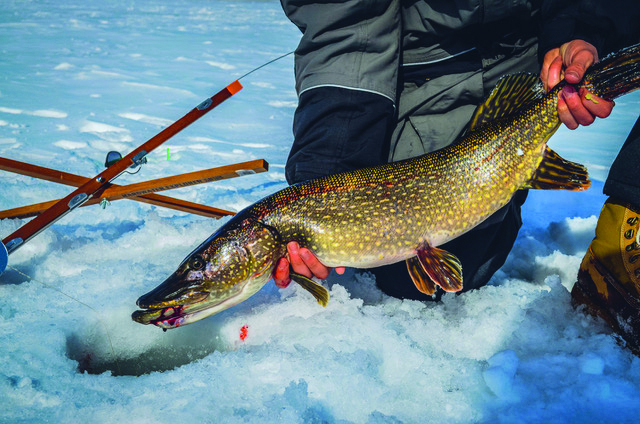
[
  {"x": 439, "y": 266},
  {"x": 420, "y": 278},
  {"x": 511, "y": 94},
  {"x": 557, "y": 173},
  {"x": 318, "y": 291}
]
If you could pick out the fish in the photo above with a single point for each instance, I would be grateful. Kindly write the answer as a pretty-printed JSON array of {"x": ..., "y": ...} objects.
[{"x": 400, "y": 211}]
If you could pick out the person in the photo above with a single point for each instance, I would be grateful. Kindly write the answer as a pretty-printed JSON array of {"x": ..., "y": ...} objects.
[{"x": 388, "y": 80}]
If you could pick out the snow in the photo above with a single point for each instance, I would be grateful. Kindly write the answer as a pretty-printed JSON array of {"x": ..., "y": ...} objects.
[{"x": 81, "y": 78}]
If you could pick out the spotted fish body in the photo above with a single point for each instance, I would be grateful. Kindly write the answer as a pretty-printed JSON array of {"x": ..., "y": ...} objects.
[
  {"x": 381, "y": 215},
  {"x": 394, "y": 212}
]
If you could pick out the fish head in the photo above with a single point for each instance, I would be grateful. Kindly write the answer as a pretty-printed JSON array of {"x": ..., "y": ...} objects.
[{"x": 228, "y": 268}]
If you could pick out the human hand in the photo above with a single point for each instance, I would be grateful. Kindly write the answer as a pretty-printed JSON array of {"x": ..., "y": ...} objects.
[
  {"x": 570, "y": 61},
  {"x": 303, "y": 262}
]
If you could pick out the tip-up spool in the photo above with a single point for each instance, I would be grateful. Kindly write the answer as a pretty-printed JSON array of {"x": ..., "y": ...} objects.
[{"x": 4, "y": 257}]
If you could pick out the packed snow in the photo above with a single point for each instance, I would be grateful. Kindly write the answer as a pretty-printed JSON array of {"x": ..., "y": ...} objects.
[{"x": 81, "y": 78}]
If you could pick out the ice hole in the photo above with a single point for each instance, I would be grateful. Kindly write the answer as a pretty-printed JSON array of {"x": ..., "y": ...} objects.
[{"x": 141, "y": 355}]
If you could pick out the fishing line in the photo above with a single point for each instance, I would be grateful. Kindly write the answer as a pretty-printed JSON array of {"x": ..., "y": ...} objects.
[
  {"x": 104, "y": 326},
  {"x": 113, "y": 352},
  {"x": 265, "y": 64}
]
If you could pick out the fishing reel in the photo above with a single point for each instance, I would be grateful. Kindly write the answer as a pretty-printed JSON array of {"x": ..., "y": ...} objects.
[{"x": 4, "y": 257}]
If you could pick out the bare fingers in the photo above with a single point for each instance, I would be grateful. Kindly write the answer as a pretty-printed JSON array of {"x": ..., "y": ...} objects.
[
  {"x": 553, "y": 73},
  {"x": 597, "y": 106},
  {"x": 303, "y": 262},
  {"x": 281, "y": 274},
  {"x": 581, "y": 108},
  {"x": 313, "y": 264}
]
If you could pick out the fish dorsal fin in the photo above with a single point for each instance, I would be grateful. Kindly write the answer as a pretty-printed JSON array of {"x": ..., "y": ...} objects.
[
  {"x": 512, "y": 93},
  {"x": 319, "y": 292},
  {"x": 556, "y": 173}
]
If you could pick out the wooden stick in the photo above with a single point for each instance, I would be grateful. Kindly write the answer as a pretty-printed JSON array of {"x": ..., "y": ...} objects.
[
  {"x": 152, "y": 199},
  {"x": 116, "y": 192},
  {"x": 87, "y": 190},
  {"x": 41, "y": 172},
  {"x": 186, "y": 180}
]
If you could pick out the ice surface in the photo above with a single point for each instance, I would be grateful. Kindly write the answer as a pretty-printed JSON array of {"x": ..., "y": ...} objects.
[
  {"x": 108, "y": 75},
  {"x": 501, "y": 372}
]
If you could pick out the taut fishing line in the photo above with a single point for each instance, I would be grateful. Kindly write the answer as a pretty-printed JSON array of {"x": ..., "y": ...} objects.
[
  {"x": 106, "y": 329},
  {"x": 113, "y": 352},
  {"x": 265, "y": 64}
]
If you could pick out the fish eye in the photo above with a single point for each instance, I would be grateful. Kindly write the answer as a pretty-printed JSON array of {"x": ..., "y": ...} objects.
[{"x": 197, "y": 263}]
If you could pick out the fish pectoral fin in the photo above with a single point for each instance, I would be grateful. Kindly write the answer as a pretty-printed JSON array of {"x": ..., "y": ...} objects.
[
  {"x": 420, "y": 278},
  {"x": 556, "y": 173},
  {"x": 319, "y": 292},
  {"x": 442, "y": 267}
]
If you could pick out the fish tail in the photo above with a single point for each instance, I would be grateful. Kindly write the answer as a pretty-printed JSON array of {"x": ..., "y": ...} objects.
[{"x": 615, "y": 75}]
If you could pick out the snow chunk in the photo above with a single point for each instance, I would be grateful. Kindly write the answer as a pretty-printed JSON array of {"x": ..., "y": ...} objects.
[
  {"x": 500, "y": 375},
  {"x": 71, "y": 145},
  {"x": 106, "y": 132},
  {"x": 249, "y": 145},
  {"x": 262, "y": 84},
  {"x": 10, "y": 110},
  {"x": 147, "y": 119},
  {"x": 63, "y": 66},
  {"x": 41, "y": 113},
  {"x": 158, "y": 87},
  {"x": 44, "y": 113},
  {"x": 98, "y": 127},
  {"x": 282, "y": 103},
  {"x": 223, "y": 66}
]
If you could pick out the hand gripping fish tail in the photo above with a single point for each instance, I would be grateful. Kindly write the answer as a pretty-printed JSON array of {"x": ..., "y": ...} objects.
[{"x": 400, "y": 211}]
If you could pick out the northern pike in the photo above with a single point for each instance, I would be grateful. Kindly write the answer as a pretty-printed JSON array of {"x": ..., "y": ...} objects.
[{"x": 400, "y": 211}]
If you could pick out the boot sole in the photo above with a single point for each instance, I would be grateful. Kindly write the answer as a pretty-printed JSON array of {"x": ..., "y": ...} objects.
[{"x": 596, "y": 305}]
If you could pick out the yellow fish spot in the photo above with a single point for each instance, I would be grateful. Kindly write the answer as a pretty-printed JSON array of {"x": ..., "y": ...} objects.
[{"x": 589, "y": 97}]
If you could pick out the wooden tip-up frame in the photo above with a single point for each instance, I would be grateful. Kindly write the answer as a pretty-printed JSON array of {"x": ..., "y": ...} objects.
[
  {"x": 91, "y": 187},
  {"x": 141, "y": 192}
]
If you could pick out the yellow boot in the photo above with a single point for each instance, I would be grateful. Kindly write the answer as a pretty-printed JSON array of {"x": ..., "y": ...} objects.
[{"x": 609, "y": 276}]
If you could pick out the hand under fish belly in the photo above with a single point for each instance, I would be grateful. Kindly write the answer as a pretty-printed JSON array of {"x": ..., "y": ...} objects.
[{"x": 389, "y": 213}]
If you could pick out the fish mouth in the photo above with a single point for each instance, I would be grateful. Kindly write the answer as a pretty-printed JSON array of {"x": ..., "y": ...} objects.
[
  {"x": 167, "y": 317},
  {"x": 171, "y": 313},
  {"x": 172, "y": 303},
  {"x": 175, "y": 303}
]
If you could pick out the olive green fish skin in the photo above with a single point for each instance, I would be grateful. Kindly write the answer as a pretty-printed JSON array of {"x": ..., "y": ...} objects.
[
  {"x": 385, "y": 214},
  {"x": 381, "y": 215},
  {"x": 363, "y": 218}
]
